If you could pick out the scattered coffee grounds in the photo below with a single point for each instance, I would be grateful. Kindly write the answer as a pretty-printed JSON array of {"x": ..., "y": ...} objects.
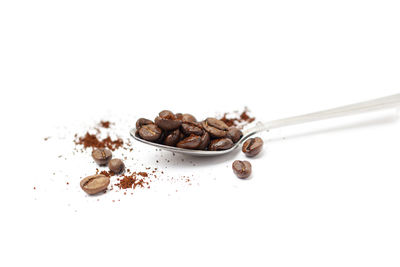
[
  {"x": 105, "y": 124},
  {"x": 184, "y": 131},
  {"x": 238, "y": 120},
  {"x": 133, "y": 180},
  {"x": 106, "y": 173},
  {"x": 92, "y": 141}
]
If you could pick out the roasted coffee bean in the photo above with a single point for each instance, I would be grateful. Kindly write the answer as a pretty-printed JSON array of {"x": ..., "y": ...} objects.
[
  {"x": 166, "y": 120},
  {"x": 220, "y": 144},
  {"x": 150, "y": 132},
  {"x": 234, "y": 134},
  {"x": 172, "y": 138},
  {"x": 189, "y": 128},
  {"x": 185, "y": 117},
  {"x": 95, "y": 184},
  {"x": 188, "y": 118},
  {"x": 216, "y": 128},
  {"x": 190, "y": 142},
  {"x": 217, "y": 124},
  {"x": 204, "y": 141},
  {"x": 252, "y": 146},
  {"x": 101, "y": 156},
  {"x": 116, "y": 166},
  {"x": 142, "y": 121},
  {"x": 242, "y": 169},
  {"x": 179, "y": 116}
]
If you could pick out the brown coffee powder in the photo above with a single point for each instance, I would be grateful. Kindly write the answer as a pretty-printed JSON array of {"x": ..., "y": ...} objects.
[
  {"x": 92, "y": 141},
  {"x": 239, "y": 120}
]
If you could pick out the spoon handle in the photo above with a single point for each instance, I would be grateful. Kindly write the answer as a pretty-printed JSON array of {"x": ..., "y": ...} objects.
[{"x": 371, "y": 105}]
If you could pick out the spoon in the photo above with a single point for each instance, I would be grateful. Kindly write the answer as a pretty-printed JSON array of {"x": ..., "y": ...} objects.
[{"x": 362, "y": 107}]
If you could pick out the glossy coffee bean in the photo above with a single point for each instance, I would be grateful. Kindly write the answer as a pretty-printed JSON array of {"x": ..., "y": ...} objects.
[
  {"x": 150, "y": 132},
  {"x": 190, "y": 142},
  {"x": 204, "y": 141},
  {"x": 217, "y": 123},
  {"x": 252, "y": 146},
  {"x": 172, "y": 138},
  {"x": 101, "y": 156},
  {"x": 216, "y": 128},
  {"x": 234, "y": 134},
  {"x": 220, "y": 144},
  {"x": 242, "y": 169},
  {"x": 167, "y": 121},
  {"x": 188, "y": 118},
  {"x": 116, "y": 166},
  {"x": 189, "y": 128},
  {"x": 142, "y": 121},
  {"x": 95, "y": 184}
]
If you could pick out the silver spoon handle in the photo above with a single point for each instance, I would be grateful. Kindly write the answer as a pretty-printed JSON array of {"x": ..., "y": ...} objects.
[{"x": 371, "y": 105}]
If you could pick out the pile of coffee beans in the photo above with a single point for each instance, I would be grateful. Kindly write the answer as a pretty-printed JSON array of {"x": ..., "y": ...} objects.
[
  {"x": 95, "y": 184},
  {"x": 184, "y": 131}
]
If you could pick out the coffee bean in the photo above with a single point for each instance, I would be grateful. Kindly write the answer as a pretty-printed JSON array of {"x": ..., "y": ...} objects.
[
  {"x": 150, "y": 132},
  {"x": 216, "y": 128},
  {"x": 116, "y": 166},
  {"x": 172, "y": 138},
  {"x": 190, "y": 142},
  {"x": 252, "y": 146},
  {"x": 95, "y": 184},
  {"x": 220, "y": 144},
  {"x": 166, "y": 120},
  {"x": 142, "y": 121},
  {"x": 189, "y": 128},
  {"x": 204, "y": 141},
  {"x": 217, "y": 123},
  {"x": 188, "y": 118},
  {"x": 234, "y": 134},
  {"x": 242, "y": 169},
  {"x": 101, "y": 156}
]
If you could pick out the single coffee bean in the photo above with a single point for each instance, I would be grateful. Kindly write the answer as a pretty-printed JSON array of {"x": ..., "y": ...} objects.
[
  {"x": 189, "y": 128},
  {"x": 190, "y": 142},
  {"x": 116, "y": 166},
  {"x": 172, "y": 138},
  {"x": 188, "y": 118},
  {"x": 217, "y": 124},
  {"x": 204, "y": 141},
  {"x": 142, "y": 121},
  {"x": 216, "y": 128},
  {"x": 242, "y": 169},
  {"x": 234, "y": 134},
  {"x": 95, "y": 184},
  {"x": 167, "y": 121},
  {"x": 101, "y": 156},
  {"x": 220, "y": 144},
  {"x": 150, "y": 132},
  {"x": 252, "y": 146}
]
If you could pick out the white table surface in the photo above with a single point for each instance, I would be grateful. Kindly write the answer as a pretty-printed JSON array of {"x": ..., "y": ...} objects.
[{"x": 321, "y": 194}]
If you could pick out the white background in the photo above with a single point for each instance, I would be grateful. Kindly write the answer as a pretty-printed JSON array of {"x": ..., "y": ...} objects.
[{"x": 322, "y": 194}]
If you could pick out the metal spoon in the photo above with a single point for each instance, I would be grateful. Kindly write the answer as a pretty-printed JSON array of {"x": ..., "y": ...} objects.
[{"x": 372, "y": 105}]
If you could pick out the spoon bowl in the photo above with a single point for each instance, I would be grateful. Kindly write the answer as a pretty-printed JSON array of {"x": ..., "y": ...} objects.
[
  {"x": 362, "y": 107},
  {"x": 192, "y": 152}
]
